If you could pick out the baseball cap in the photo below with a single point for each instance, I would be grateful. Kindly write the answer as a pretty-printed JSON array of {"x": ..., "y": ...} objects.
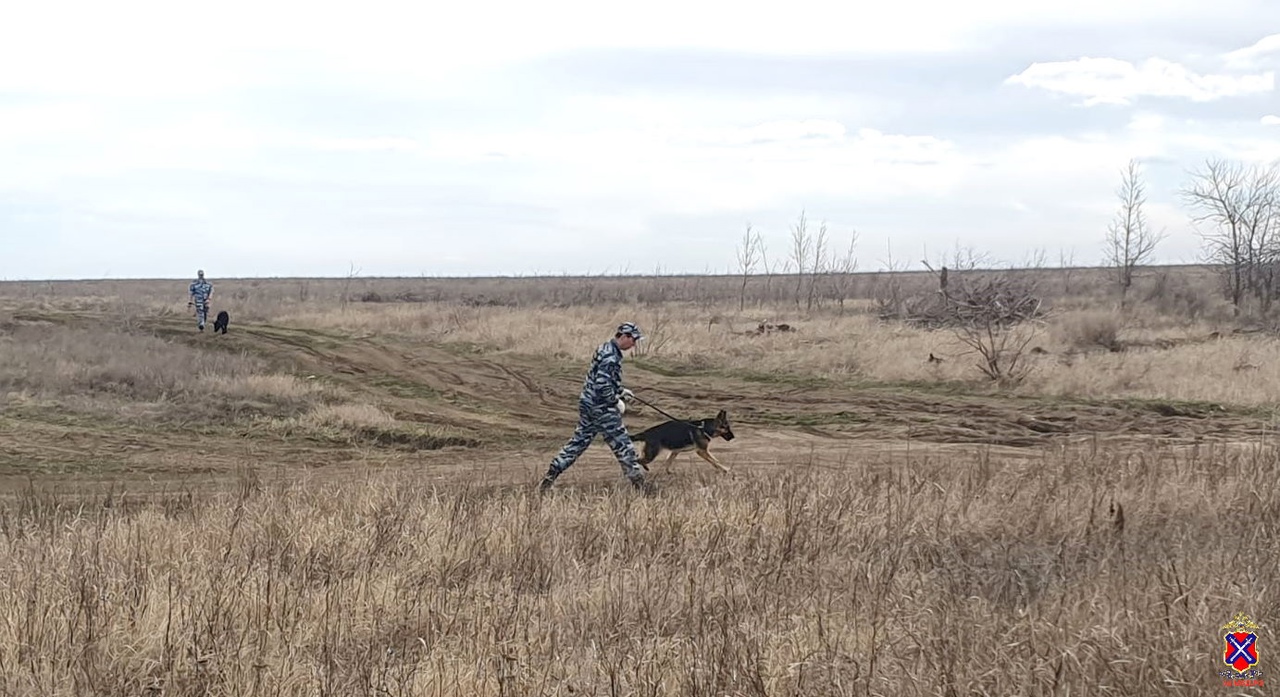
[{"x": 630, "y": 329}]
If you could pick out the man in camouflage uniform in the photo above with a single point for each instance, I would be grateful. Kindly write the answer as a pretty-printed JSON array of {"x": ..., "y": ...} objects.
[
  {"x": 598, "y": 413},
  {"x": 200, "y": 291}
]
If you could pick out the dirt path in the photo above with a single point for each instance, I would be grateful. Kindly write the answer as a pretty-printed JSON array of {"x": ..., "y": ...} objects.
[
  {"x": 525, "y": 397},
  {"x": 519, "y": 409}
]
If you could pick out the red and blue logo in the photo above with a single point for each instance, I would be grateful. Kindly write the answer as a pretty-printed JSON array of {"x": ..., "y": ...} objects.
[
  {"x": 1240, "y": 653},
  {"x": 1241, "y": 650}
]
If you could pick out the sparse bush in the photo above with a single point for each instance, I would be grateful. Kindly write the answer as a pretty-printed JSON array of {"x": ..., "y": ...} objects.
[
  {"x": 995, "y": 315},
  {"x": 1092, "y": 330},
  {"x": 349, "y": 416},
  {"x": 1178, "y": 297}
]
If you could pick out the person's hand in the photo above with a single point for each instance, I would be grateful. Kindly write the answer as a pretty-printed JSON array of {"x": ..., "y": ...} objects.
[{"x": 627, "y": 395}]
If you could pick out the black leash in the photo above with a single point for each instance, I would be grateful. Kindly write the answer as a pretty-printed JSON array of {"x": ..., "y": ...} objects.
[{"x": 655, "y": 408}]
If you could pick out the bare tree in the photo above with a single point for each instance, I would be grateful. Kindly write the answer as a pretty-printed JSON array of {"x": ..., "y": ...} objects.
[
  {"x": 346, "y": 286},
  {"x": 768, "y": 271},
  {"x": 1130, "y": 242},
  {"x": 842, "y": 269},
  {"x": 1037, "y": 258},
  {"x": 801, "y": 251},
  {"x": 749, "y": 254},
  {"x": 961, "y": 259},
  {"x": 818, "y": 265},
  {"x": 1240, "y": 205},
  {"x": 1067, "y": 264},
  {"x": 888, "y": 290}
]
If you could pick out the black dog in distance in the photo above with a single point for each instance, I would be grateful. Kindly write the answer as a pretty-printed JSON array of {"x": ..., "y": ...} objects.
[{"x": 220, "y": 323}]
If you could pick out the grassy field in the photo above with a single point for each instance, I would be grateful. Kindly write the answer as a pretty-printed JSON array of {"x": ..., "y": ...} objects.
[{"x": 337, "y": 497}]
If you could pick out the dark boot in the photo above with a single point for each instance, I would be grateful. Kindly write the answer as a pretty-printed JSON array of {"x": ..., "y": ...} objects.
[{"x": 547, "y": 481}]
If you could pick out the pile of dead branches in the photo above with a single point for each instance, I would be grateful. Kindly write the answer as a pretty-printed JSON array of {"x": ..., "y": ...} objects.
[{"x": 984, "y": 301}]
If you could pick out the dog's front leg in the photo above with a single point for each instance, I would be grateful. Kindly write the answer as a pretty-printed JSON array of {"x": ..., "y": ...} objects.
[{"x": 706, "y": 455}]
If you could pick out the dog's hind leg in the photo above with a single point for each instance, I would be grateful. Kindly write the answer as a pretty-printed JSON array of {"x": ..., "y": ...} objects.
[{"x": 706, "y": 455}]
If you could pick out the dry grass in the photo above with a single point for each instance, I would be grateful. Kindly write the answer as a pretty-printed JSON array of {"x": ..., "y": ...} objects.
[
  {"x": 348, "y": 415},
  {"x": 908, "y": 576},
  {"x": 109, "y": 370},
  {"x": 1077, "y": 361},
  {"x": 565, "y": 318},
  {"x": 1071, "y": 571}
]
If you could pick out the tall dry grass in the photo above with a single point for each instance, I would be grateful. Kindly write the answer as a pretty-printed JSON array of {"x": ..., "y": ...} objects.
[
  {"x": 107, "y": 370},
  {"x": 1075, "y": 356},
  {"x": 695, "y": 326},
  {"x": 1079, "y": 573},
  {"x": 1162, "y": 358}
]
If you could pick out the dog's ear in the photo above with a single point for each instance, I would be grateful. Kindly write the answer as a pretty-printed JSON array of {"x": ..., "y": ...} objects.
[{"x": 722, "y": 416}]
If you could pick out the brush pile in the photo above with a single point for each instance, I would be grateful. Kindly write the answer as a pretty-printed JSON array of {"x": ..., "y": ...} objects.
[{"x": 997, "y": 301}]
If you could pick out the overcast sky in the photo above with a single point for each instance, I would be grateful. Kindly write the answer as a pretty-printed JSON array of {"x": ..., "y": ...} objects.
[{"x": 280, "y": 137}]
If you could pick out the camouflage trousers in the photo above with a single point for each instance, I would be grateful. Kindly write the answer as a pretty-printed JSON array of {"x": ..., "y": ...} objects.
[
  {"x": 202, "y": 313},
  {"x": 593, "y": 421}
]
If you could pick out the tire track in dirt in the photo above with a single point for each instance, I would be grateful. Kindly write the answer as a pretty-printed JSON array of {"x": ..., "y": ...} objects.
[
  {"x": 515, "y": 397},
  {"x": 883, "y": 412}
]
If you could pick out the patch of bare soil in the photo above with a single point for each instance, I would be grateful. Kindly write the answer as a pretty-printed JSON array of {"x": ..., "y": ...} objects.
[{"x": 517, "y": 410}]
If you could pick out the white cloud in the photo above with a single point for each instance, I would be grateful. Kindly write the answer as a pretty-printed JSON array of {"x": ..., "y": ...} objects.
[
  {"x": 1271, "y": 120},
  {"x": 1230, "y": 146},
  {"x": 1265, "y": 52},
  {"x": 1114, "y": 81},
  {"x": 702, "y": 170},
  {"x": 136, "y": 47},
  {"x": 1146, "y": 122},
  {"x": 366, "y": 144},
  {"x": 263, "y": 124},
  {"x": 46, "y": 122},
  {"x": 824, "y": 131}
]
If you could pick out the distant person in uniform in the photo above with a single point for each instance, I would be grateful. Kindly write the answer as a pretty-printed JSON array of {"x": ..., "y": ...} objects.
[{"x": 200, "y": 291}]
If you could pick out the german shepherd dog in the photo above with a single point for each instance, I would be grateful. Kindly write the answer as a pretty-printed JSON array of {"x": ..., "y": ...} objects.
[
  {"x": 220, "y": 323},
  {"x": 675, "y": 437}
]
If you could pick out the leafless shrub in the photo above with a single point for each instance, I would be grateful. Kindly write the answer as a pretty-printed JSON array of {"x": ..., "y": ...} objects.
[
  {"x": 889, "y": 293},
  {"x": 1067, "y": 267},
  {"x": 1093, "y": 330},
  {"x": 345, "y": 298},
  {"x": 995, "y": 314},
  {"x": 1177, "y": 297},
  {"x": 657, "y": 332},
  {"x": 997, "y": 300},
  {"x": 1002, "y": 350},
  {"x": 840, "y": 270}
]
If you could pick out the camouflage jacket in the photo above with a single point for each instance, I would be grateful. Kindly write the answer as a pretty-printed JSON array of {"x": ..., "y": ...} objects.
[{"x": 603, "y": 384}]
